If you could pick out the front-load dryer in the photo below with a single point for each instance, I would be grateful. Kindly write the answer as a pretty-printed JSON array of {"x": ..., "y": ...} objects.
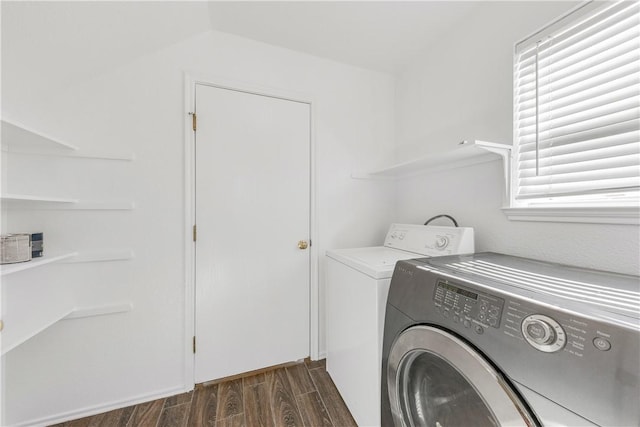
[
  {"x": 494, "y": 340},
  {"x": 357, "y": 284}
]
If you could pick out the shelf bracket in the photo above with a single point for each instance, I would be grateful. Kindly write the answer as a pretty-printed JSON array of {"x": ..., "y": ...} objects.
[{"x": 504, "y": 151}]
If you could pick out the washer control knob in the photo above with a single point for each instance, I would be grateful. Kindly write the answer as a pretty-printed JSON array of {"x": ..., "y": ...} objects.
[
  {"x": 441, "y": 242},
  {"x": 543, "y": 333},
  {"x": 540, "y": 332}
]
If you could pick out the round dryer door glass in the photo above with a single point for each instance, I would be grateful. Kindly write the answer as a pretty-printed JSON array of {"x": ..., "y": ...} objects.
[
  {"x": 435, "y": 379},
  {"x": 434, "y": 393}
]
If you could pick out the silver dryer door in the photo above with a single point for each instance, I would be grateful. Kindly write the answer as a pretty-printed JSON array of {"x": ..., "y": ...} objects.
[{"x": 437, "y": 380}]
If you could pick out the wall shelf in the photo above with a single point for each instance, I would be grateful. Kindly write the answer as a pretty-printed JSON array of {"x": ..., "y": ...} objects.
[
  {"x": 103, "y": 255},
  {"x": 466, "y": 153},
  {"x": 79, "y": 154},
  {"x": 100, "y": 310},
  {"x": 43, "y": 321},
  {"x": 34, "y": 263},
  {"x": 36, "y": 305},
  {"x": 19, "y": 139},
  {"x": 53, "y": 316},
  {"x": 19, "y": 136},
  {"x": 8, "y": 197},
  {"x": 61, "y": 203},
  {"x": 82, "y": 205}
]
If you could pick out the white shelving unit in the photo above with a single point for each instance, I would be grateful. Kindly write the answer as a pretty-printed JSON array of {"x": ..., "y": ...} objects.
[
  {"x": 34, "y": 263},
  {"x": 32, "y": 313},
  {"x": 464, "y": 154}
]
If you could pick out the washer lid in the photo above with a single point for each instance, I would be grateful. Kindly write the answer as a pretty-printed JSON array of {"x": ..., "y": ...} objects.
[{"x": 377, "y": 262}]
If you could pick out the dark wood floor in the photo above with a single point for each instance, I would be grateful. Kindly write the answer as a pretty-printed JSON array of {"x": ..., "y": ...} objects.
[{"x": 299, "y": 395}]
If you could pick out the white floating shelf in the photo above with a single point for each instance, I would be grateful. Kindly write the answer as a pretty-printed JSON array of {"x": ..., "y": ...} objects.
[
  {"x": 16, "y": 135},
  {"x": 82, "y": 205},
  {"x": 79, "y": 154},
  {"x": 465, "y": 154},
  {"x": 53, "y": 315},
  {"x": 103, "y": 155},
  {"x": 43, "y": 321},
  {"x": 34, "y": 263},
  {"x": 31, "y": 198},
  {"x": 103, "y": 255},
  {"x": 100, "y": 310},
  {"x": 59, "y": 203},
  {"x": 20, "y": 139}
]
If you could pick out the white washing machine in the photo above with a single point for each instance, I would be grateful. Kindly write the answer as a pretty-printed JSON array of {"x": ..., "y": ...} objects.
[{"x": 357, "y": 286}]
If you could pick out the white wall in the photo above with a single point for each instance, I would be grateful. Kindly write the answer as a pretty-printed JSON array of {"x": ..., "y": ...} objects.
[
  {"x": 88, "y": 365},
  {"x": 462, "y": 89}
]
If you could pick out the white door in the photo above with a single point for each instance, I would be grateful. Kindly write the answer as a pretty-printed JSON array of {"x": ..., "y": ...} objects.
[{"x": 252, "y": 209}]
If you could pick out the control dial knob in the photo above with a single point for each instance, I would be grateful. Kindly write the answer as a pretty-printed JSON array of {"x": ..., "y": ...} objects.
[
  {"x": 543, "y": 333},
  {"x": 441, "y": 242}
]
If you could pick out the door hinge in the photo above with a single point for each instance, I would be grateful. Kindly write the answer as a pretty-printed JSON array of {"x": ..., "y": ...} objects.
[
  {"x": 195, "y": 232},
  {"x": 194, "y": 121},
  {"x": 194, "y": 344}
]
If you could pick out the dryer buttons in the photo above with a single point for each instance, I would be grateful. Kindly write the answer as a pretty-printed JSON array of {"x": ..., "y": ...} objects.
[
  {"x": 543, "y": 333},
  {"x": 602, "y": 344}
]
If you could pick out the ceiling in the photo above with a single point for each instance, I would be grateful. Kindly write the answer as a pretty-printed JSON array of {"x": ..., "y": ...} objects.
[
  {"x": 48, "y": 45},
  {"x": 51, "y": 44},
  {"x": 380, "y": 35}
]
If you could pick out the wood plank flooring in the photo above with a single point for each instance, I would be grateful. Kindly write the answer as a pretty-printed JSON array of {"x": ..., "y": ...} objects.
[{"x": 298, "y": 395}]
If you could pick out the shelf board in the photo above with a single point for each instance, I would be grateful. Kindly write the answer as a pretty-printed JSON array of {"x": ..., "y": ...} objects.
[
  {"x": 121, "y": 155},
  {"x": 43, "y": 322},
  {"x": 465, "y": 154},
  {"x": 102, "y": 255},
  {"x": 86, "y": 205},
  {"x": 55, "y": 315},
  {"x": 32, "y": 198},
  {"x": 17, "y": 135},
  {"x": 36, "y": 262},
  {"x": 101, "y": 310},
  {"x": 20, "y": 139}
]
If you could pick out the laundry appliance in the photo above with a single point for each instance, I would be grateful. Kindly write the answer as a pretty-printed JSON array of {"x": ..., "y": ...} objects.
[
  {"x": 492, "y": 340},
  {"x": 357, "y": 284}
]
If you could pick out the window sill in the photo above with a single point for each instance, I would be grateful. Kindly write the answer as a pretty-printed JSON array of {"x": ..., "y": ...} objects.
[{"x": 594, "y": 215}]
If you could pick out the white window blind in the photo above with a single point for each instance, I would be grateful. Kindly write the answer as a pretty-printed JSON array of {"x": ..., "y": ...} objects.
[{"x": 577, "y": 109}]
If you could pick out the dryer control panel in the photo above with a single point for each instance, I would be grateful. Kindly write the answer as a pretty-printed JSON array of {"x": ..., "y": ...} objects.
[{"x": 466, "y": 306}]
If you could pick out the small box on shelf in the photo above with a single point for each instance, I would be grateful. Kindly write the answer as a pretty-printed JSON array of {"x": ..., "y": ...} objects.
[
  {"x": 37, "y": 245},
  {"x": 15, "y": 248}
]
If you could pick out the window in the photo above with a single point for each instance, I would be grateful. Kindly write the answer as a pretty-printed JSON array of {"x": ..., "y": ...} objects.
[{"x": 577, "y": 110}]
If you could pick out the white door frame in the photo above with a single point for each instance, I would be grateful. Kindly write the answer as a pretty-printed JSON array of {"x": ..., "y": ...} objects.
[{"x": 190, "y": 81}]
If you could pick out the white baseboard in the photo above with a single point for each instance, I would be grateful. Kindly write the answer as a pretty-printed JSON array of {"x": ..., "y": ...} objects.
[
  {"x": 322, "y": 355},
  {"x": 98, "y": 409}
]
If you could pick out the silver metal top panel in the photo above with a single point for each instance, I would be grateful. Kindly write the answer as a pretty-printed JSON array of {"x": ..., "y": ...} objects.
[{"x": 557, "y": 284}]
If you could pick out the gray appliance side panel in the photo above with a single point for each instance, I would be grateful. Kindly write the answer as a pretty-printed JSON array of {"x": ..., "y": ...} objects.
[{"x": 395, "y": 322}]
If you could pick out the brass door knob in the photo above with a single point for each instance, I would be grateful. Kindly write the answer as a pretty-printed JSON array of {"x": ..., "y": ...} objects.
[{"x": 302, "y": 244}]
